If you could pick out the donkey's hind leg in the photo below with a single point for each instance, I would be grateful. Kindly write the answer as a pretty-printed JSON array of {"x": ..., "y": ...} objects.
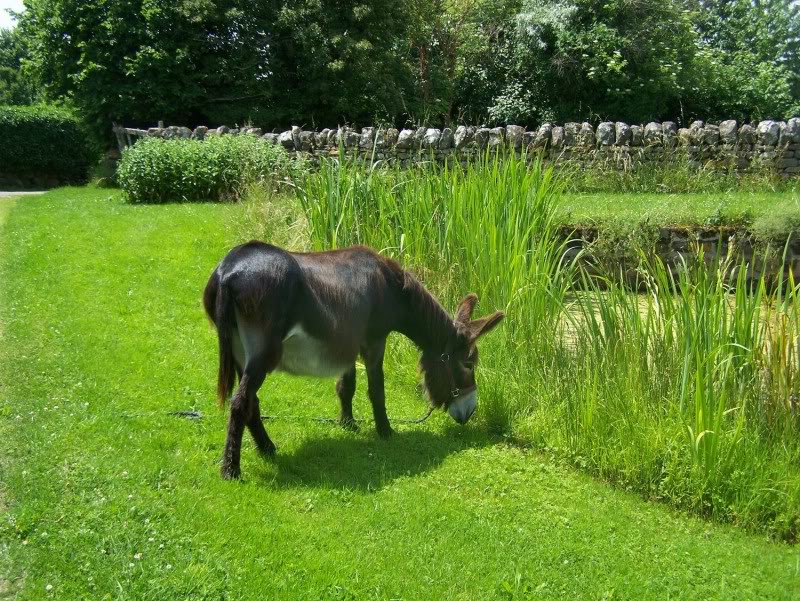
[
  {"x": 254, "y": 423},
  {"x": 258, "y": 432},
  {"x": 261, "y": 355},
  {"x": 346, "y": 388}
]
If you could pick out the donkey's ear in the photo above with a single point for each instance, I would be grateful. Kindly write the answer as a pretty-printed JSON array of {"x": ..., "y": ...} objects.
[
  {"x": 484, "y": 325},
  {"x": 465, "y": 308}
]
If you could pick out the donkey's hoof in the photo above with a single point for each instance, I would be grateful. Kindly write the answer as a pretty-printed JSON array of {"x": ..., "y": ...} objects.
[
  {"x": 230, "y": 472},
  {"x": 268, "y": 450},
  {"x": 348, "y": 423},
  {"x": 384, "y": 431}
]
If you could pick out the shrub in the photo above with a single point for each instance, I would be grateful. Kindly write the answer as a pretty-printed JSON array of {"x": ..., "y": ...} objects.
[
  {"x": 44, "y": 143},
  {"x": 219, "y": 168}
]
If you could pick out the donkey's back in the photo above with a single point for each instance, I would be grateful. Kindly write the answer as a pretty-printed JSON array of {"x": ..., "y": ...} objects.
[
  {"x": 335, "y": 289},
  {"x": 314, "y": 311},
  {"x": 251, "y": 271}
]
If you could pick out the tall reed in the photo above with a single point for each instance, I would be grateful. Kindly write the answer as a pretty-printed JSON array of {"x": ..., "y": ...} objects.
[
  {"x": 462, "y": 222},
  {"x": 697, "y": 379}
]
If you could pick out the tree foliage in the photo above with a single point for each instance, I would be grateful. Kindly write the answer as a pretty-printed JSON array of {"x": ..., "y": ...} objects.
[
  {"x": 747, "y": 60},
  {"x": 15, "y": 88},
  {"x": 323, "y": 62},
  {"x": 222, "y": 60},
  {"x": 616, "y": 59}
]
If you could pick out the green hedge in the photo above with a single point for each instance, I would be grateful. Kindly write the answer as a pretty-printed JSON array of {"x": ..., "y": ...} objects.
[
  {"x": 45, "y": 143},
  {"x": 218, "y": 168}
]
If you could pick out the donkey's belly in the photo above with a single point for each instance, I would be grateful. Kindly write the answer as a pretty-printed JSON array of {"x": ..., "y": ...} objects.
[{"x": 304, "y": 355}]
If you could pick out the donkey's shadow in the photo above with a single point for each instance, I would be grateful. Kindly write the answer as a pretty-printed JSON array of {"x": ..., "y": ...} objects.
[{"x": 367, "y": 463}]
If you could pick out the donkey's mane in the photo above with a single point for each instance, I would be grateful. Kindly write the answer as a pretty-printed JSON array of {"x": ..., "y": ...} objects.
[{"x": 431, "y": 326}]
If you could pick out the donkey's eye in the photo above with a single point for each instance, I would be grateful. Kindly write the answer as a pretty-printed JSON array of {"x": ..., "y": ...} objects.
[{"x": 468, "y": 365}]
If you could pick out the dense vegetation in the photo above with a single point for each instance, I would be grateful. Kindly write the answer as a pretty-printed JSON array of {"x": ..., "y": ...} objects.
[
  {"x": 687, "y": 394},
  {"x": 15, "y": 87},
  {"x": 220, "y": 168},
  {"x": 326, "y": 62},
  {"x": 44, "y": 141},
  {"x": 103, "y": 495}
]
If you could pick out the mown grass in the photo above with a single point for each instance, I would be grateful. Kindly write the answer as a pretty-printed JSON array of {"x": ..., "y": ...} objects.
[
  {"x": 674, "y": 174},
  {"x": 730, "y": 208},
  {"x": 691, "y": 400},
  {"x": 105, "y": 496}
]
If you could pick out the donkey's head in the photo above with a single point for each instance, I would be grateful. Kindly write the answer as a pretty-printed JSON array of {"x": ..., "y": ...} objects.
[{"x": 450, "y": 375}]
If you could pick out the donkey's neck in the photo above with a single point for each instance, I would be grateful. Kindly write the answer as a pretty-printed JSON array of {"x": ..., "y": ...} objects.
[{"x": 425, "y": 321}]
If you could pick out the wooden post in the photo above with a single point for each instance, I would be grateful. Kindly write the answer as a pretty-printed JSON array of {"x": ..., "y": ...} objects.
[{"x": 118, "y": 131}]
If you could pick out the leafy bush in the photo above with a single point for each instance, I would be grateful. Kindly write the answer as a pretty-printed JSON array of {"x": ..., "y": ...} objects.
[
  {"x": 219, "y": 168},
  {"x": 44, "y": 142}
]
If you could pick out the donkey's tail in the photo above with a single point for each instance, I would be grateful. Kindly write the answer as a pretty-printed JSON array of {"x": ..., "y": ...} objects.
[{"x": 220, "y": 310}]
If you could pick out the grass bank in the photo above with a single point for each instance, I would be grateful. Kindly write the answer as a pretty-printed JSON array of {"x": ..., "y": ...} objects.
[
  {"x": 105, "y": 496},
  {"x": 771, "y": 217},
  {"x": 708, "y": 208}
]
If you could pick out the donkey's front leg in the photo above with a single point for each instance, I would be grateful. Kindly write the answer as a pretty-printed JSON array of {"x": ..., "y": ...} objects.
[
  {"x": 346, "y": 388},
  {"x": 373, "y": 359}
]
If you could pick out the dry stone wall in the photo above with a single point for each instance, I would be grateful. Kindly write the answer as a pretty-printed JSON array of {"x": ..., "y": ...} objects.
[
  {"x": 679, "y": 247},
  {"x": 729, "y": 144}
]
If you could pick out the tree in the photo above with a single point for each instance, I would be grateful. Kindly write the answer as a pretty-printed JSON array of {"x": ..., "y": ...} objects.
[
  {"x": 335, "y": 61},
  {"x": 586, "y": 59},
  {"x": 574, "y": 59},
  {"x": 222, "y": 61},
  {"x": 15, "y": 87},
  {"x": 448, "y": 41},
  {"x": 748, "y": 59},
  {"x": 144, "y": 59},
  {"x": 321, "y": 62}
]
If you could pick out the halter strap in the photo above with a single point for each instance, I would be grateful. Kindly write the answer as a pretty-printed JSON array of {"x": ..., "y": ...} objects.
[{"x": 455, "y": 391}]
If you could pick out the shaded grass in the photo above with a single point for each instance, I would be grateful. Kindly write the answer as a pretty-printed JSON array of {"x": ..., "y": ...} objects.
[{"x": 109, "y": 498}]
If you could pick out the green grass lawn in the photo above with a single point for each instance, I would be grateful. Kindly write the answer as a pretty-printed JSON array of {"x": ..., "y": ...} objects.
[
  {"x": 764, "y": 211},
  {"x": 105, "y": 496}
]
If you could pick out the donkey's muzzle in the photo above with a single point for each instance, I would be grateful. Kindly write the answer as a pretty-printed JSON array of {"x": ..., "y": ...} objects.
[{"x": 463, "y": 407}]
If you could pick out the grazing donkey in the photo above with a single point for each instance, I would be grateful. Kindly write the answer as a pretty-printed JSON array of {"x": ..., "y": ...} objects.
[{"x": 313, "y": 313}]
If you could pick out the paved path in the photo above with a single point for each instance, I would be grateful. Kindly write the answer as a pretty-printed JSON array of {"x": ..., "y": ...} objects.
[{"x": 25, "y": 193}]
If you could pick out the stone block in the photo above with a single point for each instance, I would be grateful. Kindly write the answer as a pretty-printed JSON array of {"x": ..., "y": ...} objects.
[
  {"x": 285, "y": 139},
  {"x": 543, "y": 136},
  {"x": 514, "y": 135},
  {"x": 406, "y": 139},
  {"x": 496, "y": 135},
  {"x": 727, "y": 131},
  {"x": 446, "y": 141},
  {"x": 606, "y": 134},
  {"x": 557, "y": 137},
  {"x": 768, "y": 133}
]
